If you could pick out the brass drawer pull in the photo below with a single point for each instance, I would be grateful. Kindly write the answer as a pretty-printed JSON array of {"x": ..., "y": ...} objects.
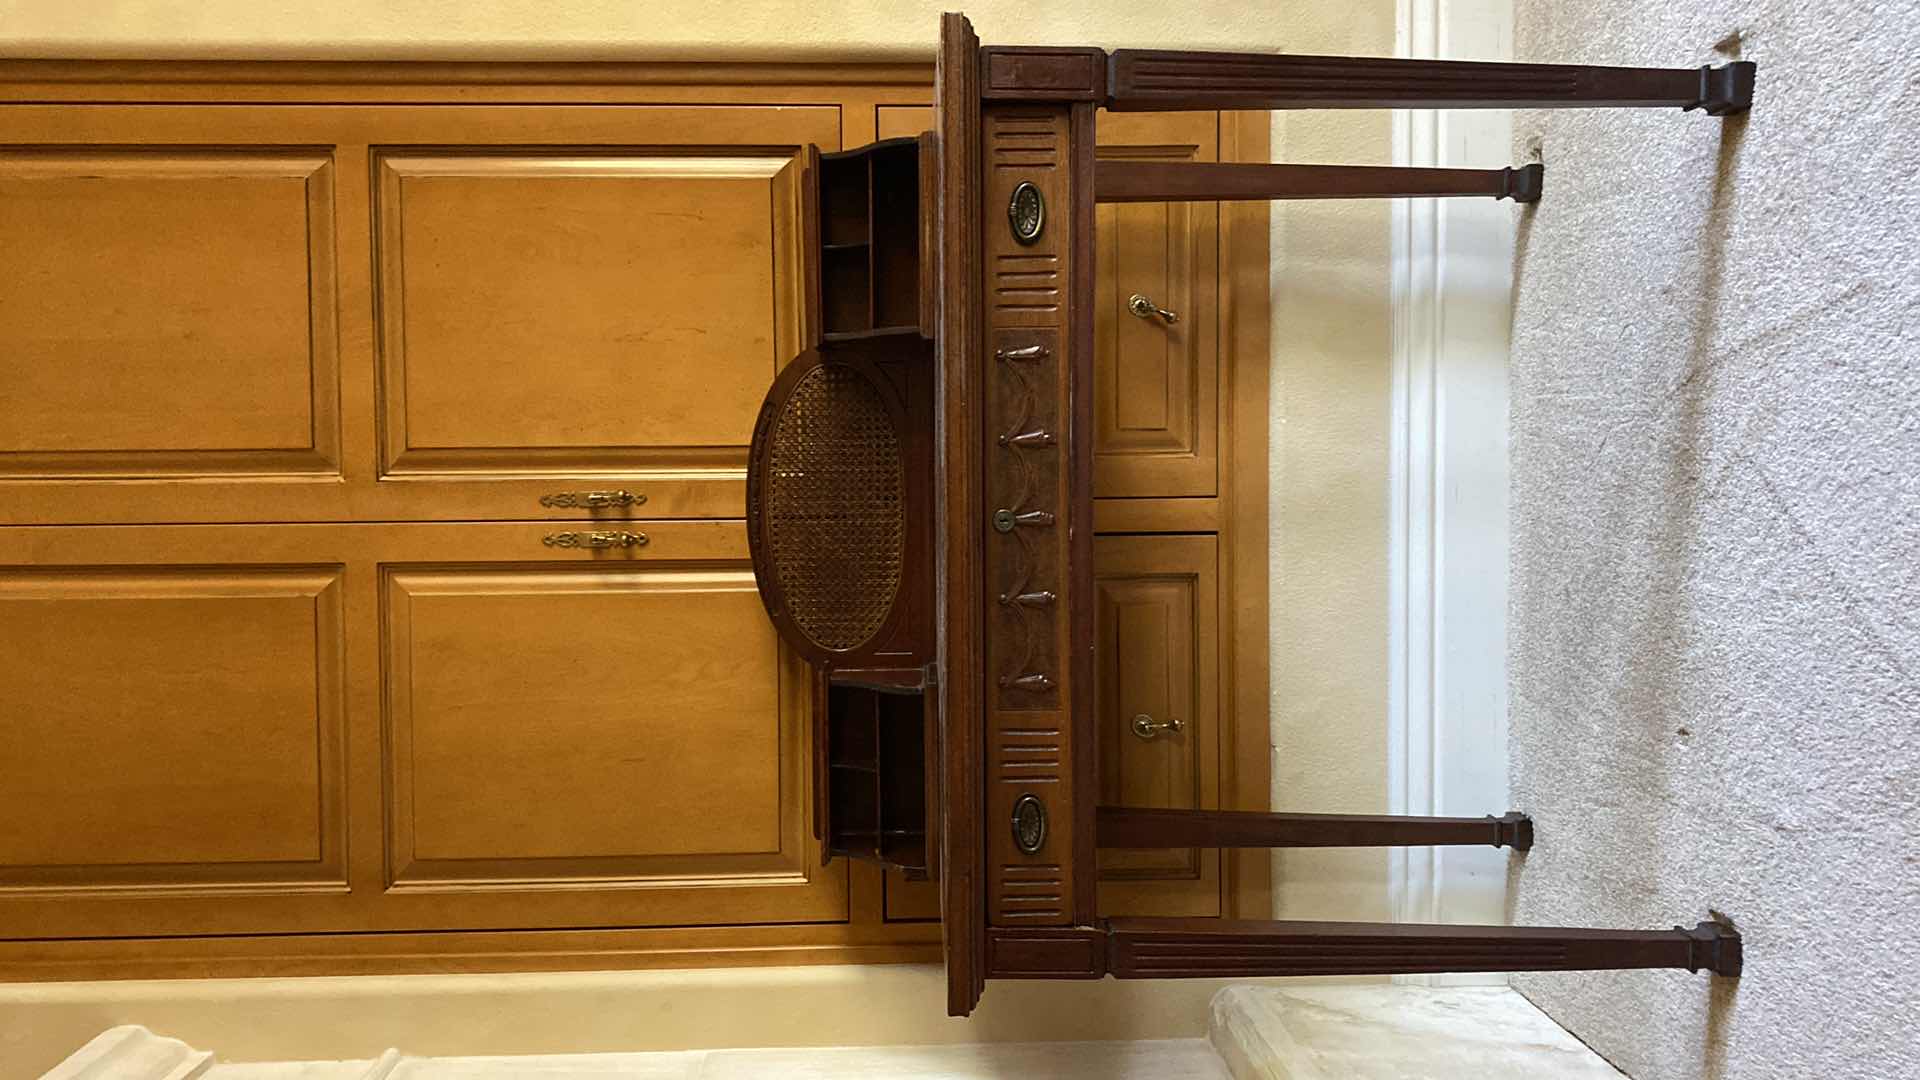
[
  {"x": 1027, "y": 353},
  {"x": 1143, "y": 306},
  {"x": 595, "y": 539},
  {"x": 1147, "y": 728},
  {"x": 593, "y": 500}
]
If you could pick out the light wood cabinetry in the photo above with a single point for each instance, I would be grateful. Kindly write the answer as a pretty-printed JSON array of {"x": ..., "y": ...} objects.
[
  {"x": 147, "y": 284},
  {"x": 302, "y": 368},
  {"x": 291, "y": 728},
  {"x": 173, "y": 728},
  {"x": 541, "y": 313},
  {"x": 1179, "y": 478},
  {"x": 1156, "y": 379},
  {"x": 1157, "y": 634},
  {"x": 392, "y": 312}
]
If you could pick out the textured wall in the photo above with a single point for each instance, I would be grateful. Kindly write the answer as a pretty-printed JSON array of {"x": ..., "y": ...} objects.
[
  {"x": 1715, "y": 632},
  {"x": 1328, "y": 439}
]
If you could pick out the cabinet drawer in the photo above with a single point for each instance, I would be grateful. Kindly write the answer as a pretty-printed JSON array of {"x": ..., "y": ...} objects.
[
  {"x": 1156, "y": 632},
  {"x": 233, "y": 729},
  {"x": 1156, "y": 392}
]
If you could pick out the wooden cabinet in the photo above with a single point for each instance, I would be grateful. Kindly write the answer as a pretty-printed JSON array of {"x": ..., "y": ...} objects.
[
  {"x": 540, "y": 313},
  {"x": 360, "y": 727},
  {"x": 147, "y": 284},
  {"x": 1157, "y": 634},
  {"x": 317, "y": 383},
  {"x": 392, "y": 312},
  {"x": 170, "y": 730},
  {"x": 1156, "y": 377},
  {"x": 595, "y": 742},
  {"x": 1180, "y": 484}
]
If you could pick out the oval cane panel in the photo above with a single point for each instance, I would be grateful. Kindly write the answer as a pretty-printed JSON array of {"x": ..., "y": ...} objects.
[{"x": 831, "y": 491}]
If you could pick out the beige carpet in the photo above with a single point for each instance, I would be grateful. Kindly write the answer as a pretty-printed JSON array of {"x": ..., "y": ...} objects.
[{"x": 1715, "y": 624}]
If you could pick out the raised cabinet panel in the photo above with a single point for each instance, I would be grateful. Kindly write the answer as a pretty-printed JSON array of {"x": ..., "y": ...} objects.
[
  {"x": 1156, "y": 427},
  {"x": 582, "y": 312},
  {"x": 901, "y": 121},
  {"x": 166, "y": 312},
  {"x": 171, "y": 730},
  {"x": 1156, "y": 628},
  {"x": 595, "y": 738},
  {"x": 553, "y": 724}
]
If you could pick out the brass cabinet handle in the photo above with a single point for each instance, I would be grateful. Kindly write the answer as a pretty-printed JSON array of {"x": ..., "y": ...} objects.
[
  {"x": 1143, "y": 306},
  {"x": 621, "y": 539},
  {"x": 592, "y": 499},
  {"x": 1147, "y": 728}
]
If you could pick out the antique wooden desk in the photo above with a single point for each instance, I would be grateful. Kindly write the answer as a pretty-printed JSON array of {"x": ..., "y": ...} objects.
[{"x": 920, "y": 507}]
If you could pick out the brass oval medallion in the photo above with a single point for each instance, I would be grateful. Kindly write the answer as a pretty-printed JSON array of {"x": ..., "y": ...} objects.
[
  {"x": 1027, "y": 212},
  {"x": 1029, "y": 824}
]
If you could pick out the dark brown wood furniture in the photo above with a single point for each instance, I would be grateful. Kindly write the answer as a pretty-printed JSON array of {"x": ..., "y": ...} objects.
[{"x": 920, "y": 501}]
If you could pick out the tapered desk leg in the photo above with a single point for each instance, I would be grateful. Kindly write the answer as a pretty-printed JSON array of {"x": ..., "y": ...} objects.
[
  {"x": 1152, "y": 79},
  {"x": 1177, "y": 181},
  {"x": 1127, "y": 827},
  {"x": 1209, "y": 948}
]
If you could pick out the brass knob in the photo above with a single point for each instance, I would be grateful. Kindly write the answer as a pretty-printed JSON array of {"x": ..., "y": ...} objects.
[
  {"x": 620, "y": 539},
  {"x": 1148, "y": 728},
  {"x": 1143, "y": 306},
  {"x": 592, "y": 500}
]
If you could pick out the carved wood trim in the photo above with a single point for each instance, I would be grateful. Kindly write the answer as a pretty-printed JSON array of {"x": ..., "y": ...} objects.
[
  {"x": 1047, "y": 954},
  {"x": 1024, "y": 486},
  {"x": 1082, "y": 670},
  {"x": 1029, "y": 519},
  {"x": 1043, "y": 73},
  {"x": 960, "y": 583}
]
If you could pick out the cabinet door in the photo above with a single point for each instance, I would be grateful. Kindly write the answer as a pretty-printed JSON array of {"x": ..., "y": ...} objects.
[
  {"x": 234, "y": 729},
  {"x": 578, "y": 312},
  {"x": 391, "y": 312},
  {"x": 1156, "y": 414},
  {"x": 175, "y": 741},
  {"x": 1156, "y": 627},
  {"x": 167, "y": 311}
]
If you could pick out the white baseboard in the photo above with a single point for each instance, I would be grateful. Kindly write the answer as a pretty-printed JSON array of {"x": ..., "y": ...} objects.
[{"x": 1452, "y": 297}]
